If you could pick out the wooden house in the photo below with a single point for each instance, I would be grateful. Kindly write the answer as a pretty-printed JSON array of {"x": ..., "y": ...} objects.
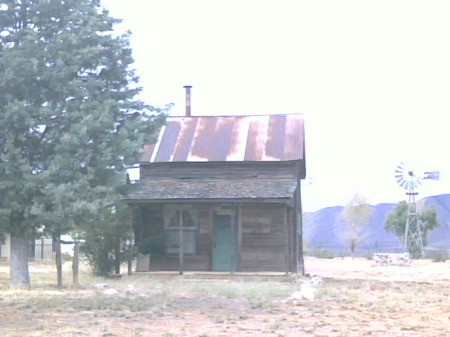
[{"x": 223, "y": 193}]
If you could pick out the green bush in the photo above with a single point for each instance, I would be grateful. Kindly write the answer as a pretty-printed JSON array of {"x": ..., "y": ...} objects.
[
  {"x": 152, "y": 245},
  {"x": 441, "y": 255},
  {"x": 105, "y": 238},
  {"x": 369, "y": 255},
  {"x": 324, "y": 254}
]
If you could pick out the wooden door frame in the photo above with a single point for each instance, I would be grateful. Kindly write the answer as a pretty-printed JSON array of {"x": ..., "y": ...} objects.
[{"x": 234, "y": 211}]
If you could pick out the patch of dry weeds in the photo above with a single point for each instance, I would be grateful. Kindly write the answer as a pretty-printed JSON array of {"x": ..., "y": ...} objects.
[{"x": 373, "y": 304}]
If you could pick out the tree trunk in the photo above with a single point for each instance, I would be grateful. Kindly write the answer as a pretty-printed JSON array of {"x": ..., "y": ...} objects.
[
  {"x": 130, "y": 258},
  {"x": 19, "y": 274},
  {"x": 131, "y": 242},
  {"x": 75, "y": 263},
  {"x": 117, "y": 257},
  {"x": 352, "y": 248},
  {"x": 59, "y": 261}
]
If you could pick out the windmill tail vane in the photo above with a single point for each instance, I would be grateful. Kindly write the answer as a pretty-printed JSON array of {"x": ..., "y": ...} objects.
[{"x": 433, "y": 175}]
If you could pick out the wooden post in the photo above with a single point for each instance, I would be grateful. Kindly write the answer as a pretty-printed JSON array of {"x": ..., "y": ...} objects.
[
  {"x": 232, "y": 221},
  {"x": 75, "y": 263},
  {"x": 59, "y": 261},
  {"x": 181, "y": 250},
  {"x": 287, "y": 243},
  {"x": 299, "y": 228},
  {"x": 239, "y": 234},
  {"x": 295, "y": 238},
  {"x": 292, "y": 241}
]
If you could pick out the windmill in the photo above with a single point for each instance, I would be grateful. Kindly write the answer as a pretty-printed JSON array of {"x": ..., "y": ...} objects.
[{"x": 411, "y": 180}]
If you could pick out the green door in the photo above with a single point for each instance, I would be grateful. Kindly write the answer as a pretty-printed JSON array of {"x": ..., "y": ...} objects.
[{"x": 225, "y": 244}]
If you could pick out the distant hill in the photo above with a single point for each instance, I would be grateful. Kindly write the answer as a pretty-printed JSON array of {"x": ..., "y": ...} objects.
[{"x": 321, "y": 228}]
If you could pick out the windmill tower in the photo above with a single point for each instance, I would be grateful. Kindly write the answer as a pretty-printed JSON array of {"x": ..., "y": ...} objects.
[{"x": 411, "y": 181}]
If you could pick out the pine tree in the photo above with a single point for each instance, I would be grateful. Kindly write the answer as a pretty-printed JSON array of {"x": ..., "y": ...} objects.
[{"x": 70, "y": 123}]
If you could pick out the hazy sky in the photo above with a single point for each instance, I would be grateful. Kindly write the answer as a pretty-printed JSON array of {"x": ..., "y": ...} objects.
[{"x": 371, "y": 77}]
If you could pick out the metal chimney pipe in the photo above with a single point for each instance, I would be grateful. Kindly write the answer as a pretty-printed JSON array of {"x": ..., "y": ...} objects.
[{"x": 188, "y": 100}]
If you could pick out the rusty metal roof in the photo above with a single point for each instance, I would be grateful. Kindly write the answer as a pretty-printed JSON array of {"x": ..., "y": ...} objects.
[
  {"x": 213, "y": 189},
  {"x": 229, "y": 138}
]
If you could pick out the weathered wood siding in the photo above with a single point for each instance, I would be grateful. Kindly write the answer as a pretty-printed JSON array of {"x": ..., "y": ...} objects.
[
  {"x": 222, "y": 170},
  {"x": 263, "y": 238}
]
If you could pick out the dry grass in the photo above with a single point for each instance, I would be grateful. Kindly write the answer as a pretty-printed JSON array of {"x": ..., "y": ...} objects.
[{"x": 355, "y": 299}]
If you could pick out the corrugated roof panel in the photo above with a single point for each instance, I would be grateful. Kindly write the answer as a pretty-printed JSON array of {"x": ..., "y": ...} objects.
[
  {"x": 203, "y": 145},
  {"x": 257, "y": 138},
  {"x": 276, "y": 137},
  {"x": 238, "y": 140},
  {"x": 294, "y": 138},
  {"x": 168, "y": 141},
  {"x": 184, "y": 141},
  {"x": 147, "y": 152},
  {"x": 222, "y": 138},
  {"x": 229, "y": 138}
]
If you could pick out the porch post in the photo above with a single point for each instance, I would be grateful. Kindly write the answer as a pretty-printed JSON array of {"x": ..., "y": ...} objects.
[
  {"x": 295, "y": 238},
  {"x": 288, "y": 241},
  {"x": 239, "y": 234},
  {"x": 181, "y": 250},
  {"x": 299, "y": 228},
  {"x": 292, "y": 240},
  {"x": 233, "y": 243}
]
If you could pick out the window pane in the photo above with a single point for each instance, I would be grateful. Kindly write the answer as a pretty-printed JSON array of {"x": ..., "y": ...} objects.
[
  {"x": 173, "y": 218},
  {"x": 173, "y": 242},
  {"x": 188, "y": 220}
]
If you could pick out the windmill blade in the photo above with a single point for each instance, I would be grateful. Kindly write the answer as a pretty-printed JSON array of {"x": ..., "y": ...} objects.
[
  {"x": 433, "y": 175},
  {"x": 399, "y": 172},
  {"x": 400, "y": 175},
  {"x": 399, "y": 180}
]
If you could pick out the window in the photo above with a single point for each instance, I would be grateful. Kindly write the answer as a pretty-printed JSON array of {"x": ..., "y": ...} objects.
[{"x": 186, "y": 217}]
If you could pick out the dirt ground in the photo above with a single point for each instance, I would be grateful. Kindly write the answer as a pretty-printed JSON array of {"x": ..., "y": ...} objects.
[{"x": 355, "y": 298}]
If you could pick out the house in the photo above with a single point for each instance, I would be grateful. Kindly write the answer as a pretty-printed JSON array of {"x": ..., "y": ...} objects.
[
  {"x": 223, "y": 193},
  {"x": 4, "y": 247},
  {"x": 38, "y": 249}
]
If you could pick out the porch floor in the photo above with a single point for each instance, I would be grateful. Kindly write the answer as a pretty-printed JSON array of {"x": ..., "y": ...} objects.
[{"x": 222, "y": 275}]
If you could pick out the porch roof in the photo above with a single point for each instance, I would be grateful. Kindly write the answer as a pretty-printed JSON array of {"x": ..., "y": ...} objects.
[{"x": 213, "y": 189}]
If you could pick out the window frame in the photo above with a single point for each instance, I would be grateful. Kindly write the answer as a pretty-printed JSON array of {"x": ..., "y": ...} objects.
[{"x": 174, "y": 210}]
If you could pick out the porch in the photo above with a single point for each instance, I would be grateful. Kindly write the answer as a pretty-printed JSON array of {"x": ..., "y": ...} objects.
[{"x": 218, "y": 237}]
